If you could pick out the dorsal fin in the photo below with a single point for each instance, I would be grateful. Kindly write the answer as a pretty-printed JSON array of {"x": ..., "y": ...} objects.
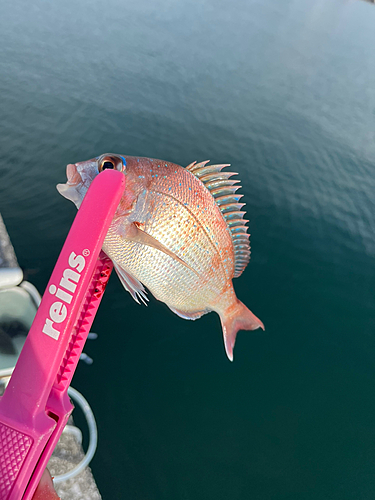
[{"x": 223, "y": 190}]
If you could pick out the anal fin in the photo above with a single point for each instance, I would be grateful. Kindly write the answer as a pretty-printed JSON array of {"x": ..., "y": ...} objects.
[{"x": 186, "y": 315}]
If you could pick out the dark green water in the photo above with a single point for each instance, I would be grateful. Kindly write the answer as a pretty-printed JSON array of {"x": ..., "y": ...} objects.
[{"x": 285, "y": 91}]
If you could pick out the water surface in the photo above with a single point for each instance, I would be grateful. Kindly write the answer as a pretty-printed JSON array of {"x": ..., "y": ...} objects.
[{"x": 284, "y": 91}]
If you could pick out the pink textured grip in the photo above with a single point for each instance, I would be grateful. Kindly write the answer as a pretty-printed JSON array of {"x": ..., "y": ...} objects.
[{"x": 14, "y": 446}]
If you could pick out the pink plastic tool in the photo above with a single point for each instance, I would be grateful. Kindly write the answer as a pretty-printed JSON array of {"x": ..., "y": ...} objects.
[{"x": 35, "y": 406}]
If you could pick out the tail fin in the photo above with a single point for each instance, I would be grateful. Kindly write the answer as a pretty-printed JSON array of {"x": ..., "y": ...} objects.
[{"x": 234, "y": 318}]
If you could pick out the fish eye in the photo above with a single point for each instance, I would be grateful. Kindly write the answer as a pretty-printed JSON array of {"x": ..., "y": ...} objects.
[
  {"x": 110, "y": 162},
  {"x": 107, "y": 164}
]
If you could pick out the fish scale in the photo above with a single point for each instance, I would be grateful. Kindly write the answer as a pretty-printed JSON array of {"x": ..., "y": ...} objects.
[
  {"x": 178, "y": 231},
  {"x": 182, "y": 224}
]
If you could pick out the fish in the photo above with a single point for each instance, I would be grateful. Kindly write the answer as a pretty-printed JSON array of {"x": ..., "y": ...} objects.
[
  {"x": 45, "y": 489},
  {"x": 177, "y": 231}
]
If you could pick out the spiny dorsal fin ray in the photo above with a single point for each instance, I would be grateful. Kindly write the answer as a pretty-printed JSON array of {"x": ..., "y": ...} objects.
[
  {"x": 223, "y": 191},
  {"x": 200, "y": 169},
  {"x": 190, "y": 167},
  {"x": 219, "y": 183},
  {"x": 236, "y": 222},
  {"x": 213, "y": 176},
  {"x": 196, "y": 166},
  {"x": 228, "y": 199},
  {"x": 236, "y": 214},
  {"x": 231, "y": 207}
]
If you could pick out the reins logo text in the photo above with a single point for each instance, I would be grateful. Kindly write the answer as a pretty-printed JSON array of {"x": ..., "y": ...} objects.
[{"x": 65, "y": 292}]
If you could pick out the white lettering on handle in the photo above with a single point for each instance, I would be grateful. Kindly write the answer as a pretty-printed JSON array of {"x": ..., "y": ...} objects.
[
  {"x": 68, "y": 283},
  {"x": 49, "y": 330}
]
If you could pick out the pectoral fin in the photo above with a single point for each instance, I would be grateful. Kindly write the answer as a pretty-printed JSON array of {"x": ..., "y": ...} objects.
[{"x": 134, "y": 233}]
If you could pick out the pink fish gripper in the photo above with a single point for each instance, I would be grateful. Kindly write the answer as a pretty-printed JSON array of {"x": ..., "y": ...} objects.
[{"x": 35, "y": 406}]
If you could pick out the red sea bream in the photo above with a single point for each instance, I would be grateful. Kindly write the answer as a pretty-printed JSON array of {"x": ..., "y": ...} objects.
[{"x": 178, "y": 231}]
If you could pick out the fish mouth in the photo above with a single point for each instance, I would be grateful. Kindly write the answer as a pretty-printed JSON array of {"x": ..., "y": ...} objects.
[
  {"x": 72, "y": 175},
  {"x": 69, "y": 190}
]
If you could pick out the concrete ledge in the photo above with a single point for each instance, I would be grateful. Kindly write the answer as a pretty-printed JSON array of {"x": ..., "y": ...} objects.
[{"x": 67, "y": 454}]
